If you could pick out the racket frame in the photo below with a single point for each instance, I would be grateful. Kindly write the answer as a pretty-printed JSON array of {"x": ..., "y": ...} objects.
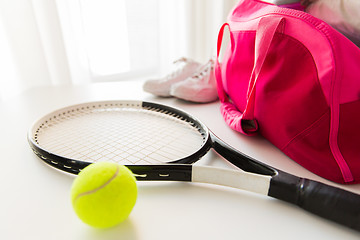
[{"x": 179, "y": 170}]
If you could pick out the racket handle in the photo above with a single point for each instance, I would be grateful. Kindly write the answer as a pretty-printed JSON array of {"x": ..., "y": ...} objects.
[{"x": 323, "y": 200}]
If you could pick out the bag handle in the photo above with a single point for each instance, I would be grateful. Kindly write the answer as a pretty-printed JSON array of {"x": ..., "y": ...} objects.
[
  {"x": 245, "y": 122},
  {"x": 220, "y": 89}
]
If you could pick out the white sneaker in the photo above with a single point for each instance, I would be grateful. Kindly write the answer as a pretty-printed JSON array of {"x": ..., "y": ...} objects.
[
  {"x": 200, "y": 88},
  {"x": 161, "y": 87}
]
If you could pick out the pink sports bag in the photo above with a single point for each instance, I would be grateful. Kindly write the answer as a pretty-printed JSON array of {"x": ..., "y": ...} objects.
[{"x": 295, "y": 80}]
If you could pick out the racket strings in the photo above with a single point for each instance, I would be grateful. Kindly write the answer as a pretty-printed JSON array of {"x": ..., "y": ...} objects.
[{"x": 127, "y": 135}]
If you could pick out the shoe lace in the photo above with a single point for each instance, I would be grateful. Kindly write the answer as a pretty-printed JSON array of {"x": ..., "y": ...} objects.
[
  {"x": 182, "y": 59},
  {"x": 204, "y": 71},
  {"x": 177, "y": 72}
]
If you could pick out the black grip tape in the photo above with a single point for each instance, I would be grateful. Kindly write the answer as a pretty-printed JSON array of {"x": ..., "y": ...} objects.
[{"x": 323, "y": 200}]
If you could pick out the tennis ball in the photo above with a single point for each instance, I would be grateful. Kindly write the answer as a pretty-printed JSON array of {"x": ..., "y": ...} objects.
[{"x": 103, "y": 194}]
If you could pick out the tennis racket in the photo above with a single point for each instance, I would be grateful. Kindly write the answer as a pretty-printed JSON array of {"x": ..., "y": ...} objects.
[{"x": 147, "y": 136}]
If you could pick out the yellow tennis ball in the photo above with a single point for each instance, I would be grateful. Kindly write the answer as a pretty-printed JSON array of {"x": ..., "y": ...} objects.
[{"x": 104, "y": 194}]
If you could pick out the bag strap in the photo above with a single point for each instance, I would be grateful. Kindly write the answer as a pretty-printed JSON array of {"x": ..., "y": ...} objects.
[
  {"x": 245, "y": 122},
  {"x": 220, "y": 89}
]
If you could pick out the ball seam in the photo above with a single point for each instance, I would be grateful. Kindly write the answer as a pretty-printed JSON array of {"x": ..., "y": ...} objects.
[{"x": 100, "y": 187}]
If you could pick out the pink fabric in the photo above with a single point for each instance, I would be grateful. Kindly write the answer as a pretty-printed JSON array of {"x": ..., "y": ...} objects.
[
  {"x": 296, "y": 6},
  {"x": 295, "y": 80}
]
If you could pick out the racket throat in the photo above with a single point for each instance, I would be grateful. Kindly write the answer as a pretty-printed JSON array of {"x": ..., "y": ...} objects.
[{"x": 241, "y": 160}]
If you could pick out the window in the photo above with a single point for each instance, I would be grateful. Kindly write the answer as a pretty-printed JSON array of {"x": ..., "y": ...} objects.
[
  {"x": 60, "y": 42},
  {"x": 110, "y": 40},
  {"x": 106, "y": 35}
]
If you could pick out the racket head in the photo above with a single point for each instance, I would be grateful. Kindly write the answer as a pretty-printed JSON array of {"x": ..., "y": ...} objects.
[{"x": 126, "y": 132}]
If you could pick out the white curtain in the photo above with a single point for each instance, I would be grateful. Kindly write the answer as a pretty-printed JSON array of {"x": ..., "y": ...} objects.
[
  {"x": 204, "y": 21},
  {"x": 41, "y": 42},
  {"x": 32, "y": 51}
]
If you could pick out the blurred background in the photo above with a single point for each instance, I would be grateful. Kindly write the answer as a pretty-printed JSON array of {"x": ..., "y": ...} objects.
[{"x": 57, "y": 42}]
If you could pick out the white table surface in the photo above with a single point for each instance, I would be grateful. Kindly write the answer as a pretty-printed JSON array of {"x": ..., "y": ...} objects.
[{"x": 35, "y": 200}]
